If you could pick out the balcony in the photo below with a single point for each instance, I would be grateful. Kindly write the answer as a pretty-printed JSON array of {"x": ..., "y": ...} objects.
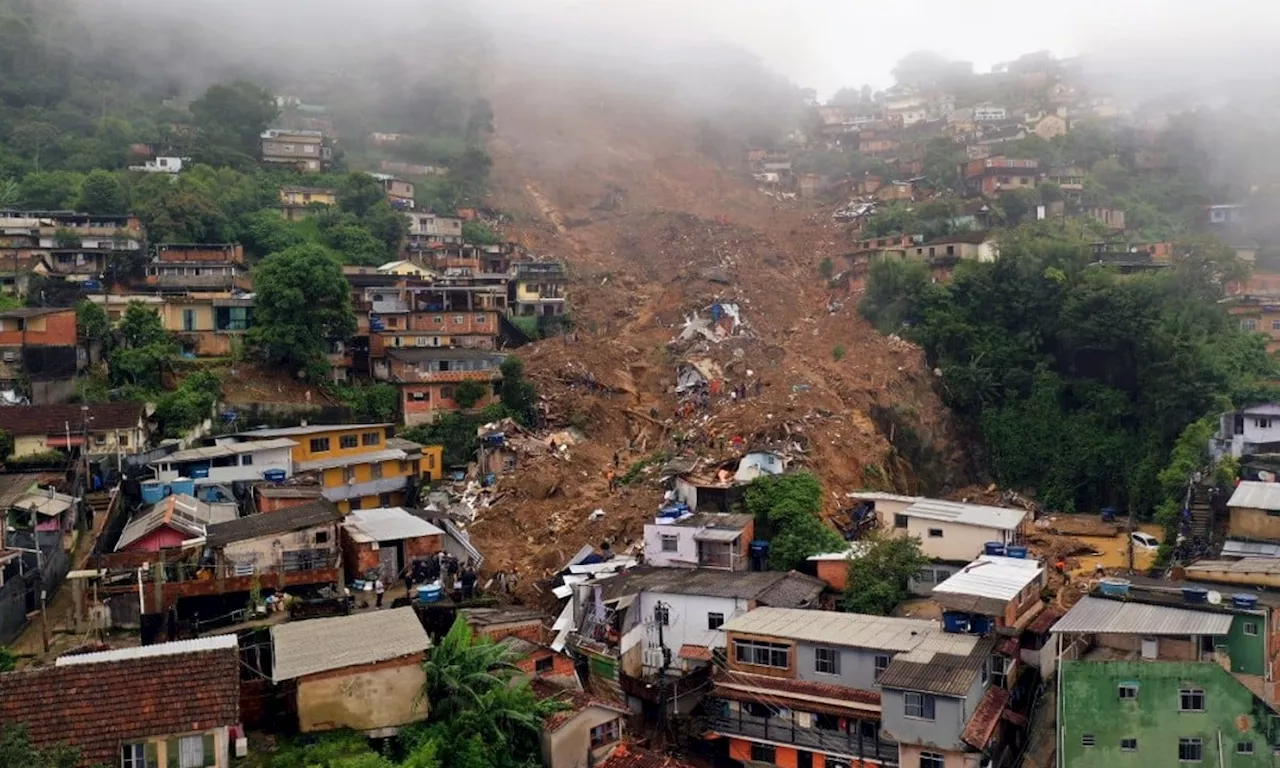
[{"x": 783, "y": 731}]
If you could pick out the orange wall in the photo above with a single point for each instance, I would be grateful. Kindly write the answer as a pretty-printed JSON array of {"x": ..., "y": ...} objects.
[
  {"x": 54, "y": 330},
  {"x": 834, "y": 572}
]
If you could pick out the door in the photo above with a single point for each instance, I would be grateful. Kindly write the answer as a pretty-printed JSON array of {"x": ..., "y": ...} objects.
[
  {"x": 389, "y": 560},
  {"x": 1150, "y": 648},
  {"x": 804, "y": 759}
]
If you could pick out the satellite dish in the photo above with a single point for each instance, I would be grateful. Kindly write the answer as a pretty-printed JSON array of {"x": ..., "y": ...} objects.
[{"x": 1215, "y": 598}]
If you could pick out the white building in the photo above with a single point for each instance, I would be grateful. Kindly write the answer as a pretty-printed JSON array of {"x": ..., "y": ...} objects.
[
  {"x": 161, "y": 165},
  {"x": 951, "y": 531},
  {"x": 1249, "y": 430},
  {"x": 433, "y": 228},
  {"x": 989, "y": 113},
  {"x": 699, "y": 540},
  {"x": 228, "y": 461}
]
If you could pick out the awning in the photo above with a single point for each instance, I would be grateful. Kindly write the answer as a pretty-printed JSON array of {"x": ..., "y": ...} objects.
[
  {"x": 717, "y": 534},
  {"x": 61, "y": 441}
]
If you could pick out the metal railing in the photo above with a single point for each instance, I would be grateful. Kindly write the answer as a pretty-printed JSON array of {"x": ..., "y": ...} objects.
[{"x": 785, "y": 731}]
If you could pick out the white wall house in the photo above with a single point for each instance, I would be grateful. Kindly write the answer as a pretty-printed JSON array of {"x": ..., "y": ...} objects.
[
  {"x": 160, "y": 165},
  {"x": 989, "y": 113},
  {"x": 228, "y": 461},
  {"x": 706, "y": 540},
  {"x": 952, "y": 531},
  {"x": 1250, "y": 430}
]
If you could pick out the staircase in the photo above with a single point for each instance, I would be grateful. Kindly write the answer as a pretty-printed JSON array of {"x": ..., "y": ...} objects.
[{"x": 1201, "y": 510}]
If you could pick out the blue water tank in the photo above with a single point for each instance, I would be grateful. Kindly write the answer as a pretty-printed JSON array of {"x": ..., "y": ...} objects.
[
  {"x": 1244, "y": 600},
  {"x": 274, "y": 475},
  {"x": 759, "y": 555},
  {"x": 1195, "y": 594},
  {"x": 199, "y": 472},
  {"x": 955, "y": 622},
  {"x": 979, "y": 625},
  {"x": 182, "y": 486},
  {"x": 430, "y": 593},
  {"x": 1018, "y": 552},
  {"x": 993, "y": 548},
  {"x": 1113, "y": 587},
  {"x": 153, "y": 491}
]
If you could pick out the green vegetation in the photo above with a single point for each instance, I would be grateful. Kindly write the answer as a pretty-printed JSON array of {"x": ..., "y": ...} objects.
[
  {"x": 837, "y": 353},
  {"x": 1078, "y": 380},
  {"x": 468, "y": 393},
  {"x": 653, "y": 459},
  {"x": 878, "y": 577},
  {"x": 188, "y": 405},
  {"x": 17, "y": 751},
  {"x": 302, "y": 305},
  {"x": 8, "y": 661},
  {"x": 478, "y": 232},
  {"x": 788, "y": 513},
  {"x": 370, "y": 403}
]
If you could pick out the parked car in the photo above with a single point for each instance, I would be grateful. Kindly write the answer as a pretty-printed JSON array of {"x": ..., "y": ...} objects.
[{"x": 1144, "y": 540}]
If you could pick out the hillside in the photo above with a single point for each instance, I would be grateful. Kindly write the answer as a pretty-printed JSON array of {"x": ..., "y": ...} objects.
[{"x": 654, "y": 233}]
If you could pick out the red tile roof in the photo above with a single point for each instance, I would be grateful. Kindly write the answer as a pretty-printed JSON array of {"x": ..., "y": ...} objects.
[
  {"x": 694, "y": 652},
  {"x": 985, "y": 718},
  {"x": 629, "y": 756},
  {"x": 53, "y": 419},
  {"x": 95, "y": 707},
  {"x": 795, "y": 689},
  {"x": 1045, "y": 620},
  {"x": 575, "y": 702}
]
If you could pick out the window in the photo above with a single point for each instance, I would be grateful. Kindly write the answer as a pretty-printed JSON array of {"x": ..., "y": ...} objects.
[
  {"x": 1087, "y": 740},
  {"x": 985, "y": 672},
  {"x": 826, "y": 660},
  {"x": 763, "y": 753},
  {"x": 899, "y": 521},
  {"x": 882, "y": 663},
  {"x": 670, "y": 543},
  {"x": 348, "y": 474},
  {"x": 1128, "y": 692},
  {"x": 762, "y": 654},
  {"x": 246, "y": 459},
  {"x": 606, "y": 733},
  {"x": 422, "y": 341},
  {"x": 384, "y": 500},
  {"x": 1251, "y": 628},
  {"x": 446, "y": 393},
  {"x": 99, "y": 439},
  {"x": 1190, "y": 700},
  {"x": 715, "y": 620},
  {"x": 1128, "y": 745},
  {"x": 544, "y": 665},
  {"x": 123, "y": 439},
  {"x": 1275, "y": 325},
  {"x": 1249, "y": 324},
  {"x": 481, "y": 320},
  {"x": 319, "y": 445},
  {"x": 438, "y": 320},
  {"x": 1244, "y": 748},
  {"x": 1190, "y": 750},
  {"x": 662, "y": 615},
  {"x": 951, "y": 250},
  {"x": 932, "y": 760},
  {"x": 322, "y": 537},
  {"x": 1262, "y": 423},
  {"x": 459, "y": 319},
  {"x": 349, "y": 441},
  {"x": 138, "y": 756},
  {"x": 356, "y": 503},
  {"x": 935, "y": 533},
  {"x": 192, "y": 751},
  {"x": 376, "y": 468},
  {"x": 757, "y": 709},
  {"x": 919, "y": 705},
  {"x": 371, "y": 438}
]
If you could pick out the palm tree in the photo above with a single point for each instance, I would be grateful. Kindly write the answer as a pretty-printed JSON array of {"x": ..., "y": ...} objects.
[
  {"x": 462, "y": 669},
  {"x": 10, "y": 193}
]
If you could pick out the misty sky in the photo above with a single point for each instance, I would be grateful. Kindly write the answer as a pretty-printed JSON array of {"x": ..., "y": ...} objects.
[{"x": 826, "y": 44}]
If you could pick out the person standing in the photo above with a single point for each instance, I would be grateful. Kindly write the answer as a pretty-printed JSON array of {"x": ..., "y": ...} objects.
[{"x": 378, "y": 590}]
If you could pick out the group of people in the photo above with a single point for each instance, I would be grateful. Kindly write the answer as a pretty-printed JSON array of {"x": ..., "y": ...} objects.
[
  {"x": 444, "y": 568},
  {"x": 701, "y": 398}
]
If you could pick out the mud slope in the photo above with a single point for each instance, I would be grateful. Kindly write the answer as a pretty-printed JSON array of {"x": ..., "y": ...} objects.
[{"x": 655, "y": 233}]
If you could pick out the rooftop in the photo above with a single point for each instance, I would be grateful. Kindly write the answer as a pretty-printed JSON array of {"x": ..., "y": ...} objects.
[
  {"x": 311, "y": 429},
  {"x": 25, "y": 312},
  {"x": 1252, "y": 494},
  {"x": 226, "y": 449},
  {"x": 388, "y": 454},
  {"x": 386, "y": 524},
  {"x": 180, "y": 511},
  {"x": 848, "y": 629},
  {"x": 295, "y": 518},
  {"x": 574, "y": 701},
  {"x": 970, "y": 238},
  {"x": 418, "y": 355},
  {"x": 1094, "y": 615},
  {"x": 630, "y": 756},
  {"x": 290, "y": 491},
  {"x": 1002, "y": 518},
  {"x": 491, "y": 617},
  {"x": 945, "y": 664},
  {"x": 767, "y": 587},
  {"x": 988, "y": 582},
  {"x": 319, "y": 645},
  {"x": 54, "y": 419},
  {"x": 1259, "y": 565},
  {"x": 97, "y": 701},
  {"x": 879, "y": 496}
]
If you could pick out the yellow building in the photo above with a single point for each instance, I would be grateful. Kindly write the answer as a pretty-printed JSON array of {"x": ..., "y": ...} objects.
[
  {"x": 405, "y": 269},
  {"x": 296, "y": 203},
  {"x": 358, "y": 466}
]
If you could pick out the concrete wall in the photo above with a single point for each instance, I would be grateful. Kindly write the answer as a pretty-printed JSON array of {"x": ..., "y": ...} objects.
[
  {"x": 857, "y": 666},
  {"x": 570, "y": 747},
  {"x": 909, "y": 755},
  {"x": 688, "y": 621},
  {"x": 1245, "y": 522},
  {"x": 383, "y": 695},
  {"x": 958, "y": 543},
  {"x": 686, "y": 554},
  {"x": 942, "y": 732},
  {"x": 1090, "y": 705},
  {"x": 268, "y": 550},
  {"x": 259, "y": 462}
]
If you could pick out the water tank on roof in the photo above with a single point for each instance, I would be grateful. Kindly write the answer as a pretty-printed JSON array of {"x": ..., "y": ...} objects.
[
  {"x": 1195, "y": 595},
  {"x": 1114, "y": 587},
  {"x": 955, "y": 622},
  {"x": 759, "y": 555},
  {"x": 1244, "y": 600},
  {"x": 274, "y": 475},
  {"x": 182, "y": 486},
  {"x": 153, "y": 491},
  {"x": 994, "y": 548},
  {"x": 200, "y": 472},
  {"x": 979, "y": 625},
  {"x": 1018, "y": 552}
]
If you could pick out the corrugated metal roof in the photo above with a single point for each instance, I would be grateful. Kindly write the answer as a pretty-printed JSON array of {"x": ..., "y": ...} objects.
[
  {"x": 945, "y": 664},
  {"x": 1002, "y": 518},
  {"x": 769, "y": 587},
  {"x": 1236, "y": 548},
  {"x": 387, "y": 524},
  {"x": 185, "y": 513},
  {"x": 319, "y": 645},
  {"x": 216, "y": 642},
  {"x": 879, "y": 496},
  {"x": 1093, "y": 615},
  {"x": 1206, "y": 568},
  {"x": 391, "y": 454},
  {"x": 854, "y": 630},
  {"x": 1252, "y": 494},
  {"x": 856, "y": 550},
  {"x": 308, "y": 430},
  {"x": 1000, "y": 578},
  {"x": 717, "y": 534},
  {"x": 226, "y": 449}
]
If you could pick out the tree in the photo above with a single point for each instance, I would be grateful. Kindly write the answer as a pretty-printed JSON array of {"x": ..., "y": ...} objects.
[
  {"x": 101, "y": 193},
  {"x": 10, "y": 193},
  {"x": 788, "y": 512},
  {"x": 302, "y": 305},
  {"x": 894, "y": 294},
  {"x": 479, "y": 233},
  {"x": 518, "y": 395},
  {"x": 6, "y": 450},
  {"x": 17, "y": 751},
  {"x": 235, "y": 113},
  {"x": 92, "y": 322},
  {"x": 49, "y": 191},
  {"x": 878, "y": 577},
  {"x": 141, "y": 327},
  {"x": 468, "y": 393},
  {"x": 185, "y": 216},
  {"x": 386, "y": 225},
  {"x": 34, "y": 139},
  {"x": 358, "y": 192}
]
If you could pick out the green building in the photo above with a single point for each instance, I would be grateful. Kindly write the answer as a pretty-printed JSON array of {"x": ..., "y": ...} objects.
[{"x": 1147, "y": 679}]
